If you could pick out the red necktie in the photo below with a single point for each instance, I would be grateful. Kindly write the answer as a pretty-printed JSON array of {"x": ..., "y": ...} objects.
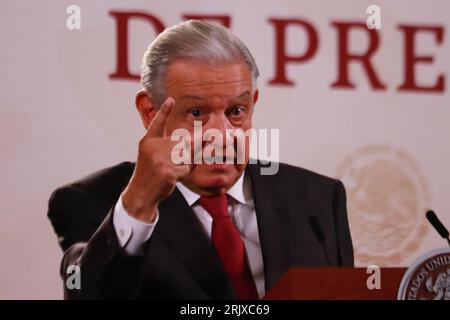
[{"x": 230, "y": 247}]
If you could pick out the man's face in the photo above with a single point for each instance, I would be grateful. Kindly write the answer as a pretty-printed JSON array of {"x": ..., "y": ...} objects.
[{"x": 222, "y": 97}]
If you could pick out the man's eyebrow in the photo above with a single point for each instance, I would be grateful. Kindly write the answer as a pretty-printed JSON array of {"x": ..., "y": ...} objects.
[
  {"x": 244, "y": 95},
  {"x": 189, "y": 96}
]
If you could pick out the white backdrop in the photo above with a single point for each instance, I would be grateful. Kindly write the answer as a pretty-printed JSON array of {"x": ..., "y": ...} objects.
[{"x": 62, "y": 117}]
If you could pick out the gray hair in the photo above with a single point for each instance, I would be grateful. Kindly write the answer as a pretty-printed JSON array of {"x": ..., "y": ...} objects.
[{"x": 195, "y": 40}]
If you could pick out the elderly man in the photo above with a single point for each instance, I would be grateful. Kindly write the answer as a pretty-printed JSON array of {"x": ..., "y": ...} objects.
[{"x": 161, "y": 230}]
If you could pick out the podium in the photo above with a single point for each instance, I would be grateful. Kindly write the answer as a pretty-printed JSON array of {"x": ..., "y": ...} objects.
[{"x": 335, "y": 284}]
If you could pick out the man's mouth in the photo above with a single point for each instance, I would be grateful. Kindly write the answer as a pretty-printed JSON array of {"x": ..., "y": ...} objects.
[{"x": 219, "y": 159}]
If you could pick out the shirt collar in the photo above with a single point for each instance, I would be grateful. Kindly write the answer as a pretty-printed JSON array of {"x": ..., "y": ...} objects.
[
  {"x": 241, "y": 191},
  {"x": 190, "y": 196}
]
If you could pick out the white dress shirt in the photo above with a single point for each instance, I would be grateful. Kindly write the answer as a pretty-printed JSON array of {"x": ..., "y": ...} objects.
[{"x": 133, "y": 233}]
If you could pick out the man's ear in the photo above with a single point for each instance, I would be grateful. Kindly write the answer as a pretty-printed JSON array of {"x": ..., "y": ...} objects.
[
  {"x": 255, "y": 96},
  {"x": 144, "y": 106}
]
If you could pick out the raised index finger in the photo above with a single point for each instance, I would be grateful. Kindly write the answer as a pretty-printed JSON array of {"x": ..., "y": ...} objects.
[{"x": 158, "y": 125}]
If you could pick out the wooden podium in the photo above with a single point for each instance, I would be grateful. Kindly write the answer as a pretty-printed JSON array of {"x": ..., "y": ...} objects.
[{"x": 335, "y": 284}]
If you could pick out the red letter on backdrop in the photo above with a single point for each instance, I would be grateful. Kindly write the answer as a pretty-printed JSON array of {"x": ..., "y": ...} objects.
[
  {"x": 344, "y": 57},
  {"x": 224, "y": 20},
  {"x": 282, "y": 58},
  {"x": 411, "y": 59},
  {"x": 122, "y": 19}
]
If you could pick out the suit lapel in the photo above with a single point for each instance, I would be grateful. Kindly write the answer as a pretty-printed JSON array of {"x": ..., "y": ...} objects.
[
  {"x": 180, "y": 230},
  {"x": 272, "y": 218}
]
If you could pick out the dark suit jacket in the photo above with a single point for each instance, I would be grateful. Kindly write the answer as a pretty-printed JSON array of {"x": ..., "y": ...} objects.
[{"x": 180, "y": 261}]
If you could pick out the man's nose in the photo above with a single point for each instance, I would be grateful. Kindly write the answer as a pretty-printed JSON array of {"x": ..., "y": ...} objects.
[{"x": 221, "y": 123}]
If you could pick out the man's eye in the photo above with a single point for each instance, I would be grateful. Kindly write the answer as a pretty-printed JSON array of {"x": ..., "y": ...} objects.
[
  {"x": 195, "y": 112},
  {"x": 236, "y": 111}
]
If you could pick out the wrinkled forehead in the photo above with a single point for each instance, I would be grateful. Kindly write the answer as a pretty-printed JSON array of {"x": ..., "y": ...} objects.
[{"x": 202, "y": 79}]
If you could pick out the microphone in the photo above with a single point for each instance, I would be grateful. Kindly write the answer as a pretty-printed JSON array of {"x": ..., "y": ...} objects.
[
  {"x": 320, "y": 236},
  {"x": 437, "y": 224}
]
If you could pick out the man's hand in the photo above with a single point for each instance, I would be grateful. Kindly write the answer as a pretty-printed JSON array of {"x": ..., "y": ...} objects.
[{"x": 155, "y": 174}]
